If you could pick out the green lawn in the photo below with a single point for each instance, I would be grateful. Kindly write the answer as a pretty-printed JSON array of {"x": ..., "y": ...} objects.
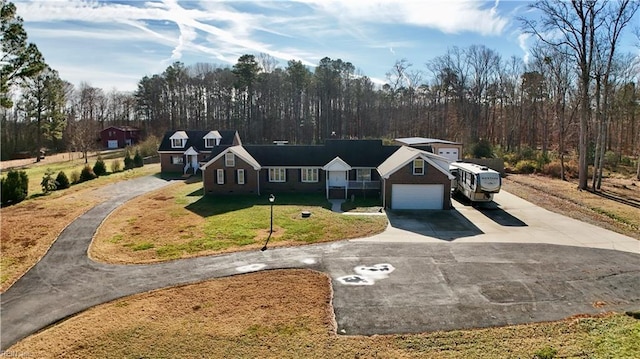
[
  {"x": 36, "y": 171},
  {"x": 178, "y": 221}
]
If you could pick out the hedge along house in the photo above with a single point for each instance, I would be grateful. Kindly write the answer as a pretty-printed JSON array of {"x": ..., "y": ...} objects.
[
  {"x": 338, "y": 169},
  {"x": 184, "y": 151}
]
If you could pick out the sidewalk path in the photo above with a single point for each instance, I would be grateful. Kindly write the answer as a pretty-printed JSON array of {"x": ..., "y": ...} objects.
[{"x": 380, "y": 286}]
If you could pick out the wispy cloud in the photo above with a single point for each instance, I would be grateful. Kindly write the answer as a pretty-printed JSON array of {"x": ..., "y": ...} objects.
[{"x": 163, "y": 31}]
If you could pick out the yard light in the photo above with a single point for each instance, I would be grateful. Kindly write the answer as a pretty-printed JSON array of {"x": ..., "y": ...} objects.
[{"x": 272, "y": 199}]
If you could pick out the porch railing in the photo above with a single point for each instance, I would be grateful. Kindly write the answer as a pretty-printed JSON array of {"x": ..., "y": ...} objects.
[{"x": 364, "y": 184}]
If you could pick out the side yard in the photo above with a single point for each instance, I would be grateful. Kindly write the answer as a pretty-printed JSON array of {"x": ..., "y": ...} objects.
[
  {"x": 178, "y": 222},
  {"x": 288, "y": 314},
  {"x": 563, "y": 197}
]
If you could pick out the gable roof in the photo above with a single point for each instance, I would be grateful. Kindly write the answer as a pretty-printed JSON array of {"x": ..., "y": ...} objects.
[
  {"x": 122, "y": 128},
  {"x": 196, "y": 140},
  {"x": 412, "y": 141},
  {"x": 404, "y": 155},
  {"x": 237, "y": 150},
  {"x": 337, "y": 164}
]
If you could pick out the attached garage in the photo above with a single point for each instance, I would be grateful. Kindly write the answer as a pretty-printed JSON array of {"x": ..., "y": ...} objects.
[
  {"x": 450, "y": 153},
  {"x": 417, "y": 196}
]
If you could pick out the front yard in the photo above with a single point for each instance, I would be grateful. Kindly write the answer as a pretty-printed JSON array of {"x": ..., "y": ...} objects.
[
  {"x": 179, "y": 222},
  {"x": 288, "y": 314}
]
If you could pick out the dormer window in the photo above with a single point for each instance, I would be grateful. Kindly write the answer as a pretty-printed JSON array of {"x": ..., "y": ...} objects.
[
  {"x": 179, "y": 139},
  {"x": 177, "y": 143},
  {"x": 212, "y": 139}
]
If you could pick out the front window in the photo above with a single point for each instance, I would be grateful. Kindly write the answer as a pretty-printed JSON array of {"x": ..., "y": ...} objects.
[
  {"x": 209, "y": 142},
  {"x": 177, "y": 143},
  {"x": 418, "y": 166},
  {"x": 241, "y": 176},
  {"x": 220, "y": 176},
  {"x": 363, "y": 175},
  {"x": 277, "y": 175},
  {"x": 309, "y": 175},
  {"x": 229, "y": 159},
  {"x": 177, "y": 160}
]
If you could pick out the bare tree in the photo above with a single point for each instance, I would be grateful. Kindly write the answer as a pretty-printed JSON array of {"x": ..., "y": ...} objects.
[{"x": 572, "y": 25}]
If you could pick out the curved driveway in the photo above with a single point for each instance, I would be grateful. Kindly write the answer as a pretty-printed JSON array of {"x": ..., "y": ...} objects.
[{"x": 430, "y": 271}]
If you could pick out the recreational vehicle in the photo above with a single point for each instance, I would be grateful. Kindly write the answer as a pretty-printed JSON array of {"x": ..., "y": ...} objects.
[{"x": 477, "y": 183}]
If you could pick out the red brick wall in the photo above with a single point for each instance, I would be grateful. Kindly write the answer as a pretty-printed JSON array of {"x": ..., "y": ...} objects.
[
  {"x": 294, "y": 184},
  {"x": 230, "y": 186},
  {"x": 166, "y": 166},
  {"x": 431, "y": 176}
]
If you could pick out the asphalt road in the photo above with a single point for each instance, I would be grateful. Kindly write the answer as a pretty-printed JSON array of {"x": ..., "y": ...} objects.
[{"x": 428, "y": 271}]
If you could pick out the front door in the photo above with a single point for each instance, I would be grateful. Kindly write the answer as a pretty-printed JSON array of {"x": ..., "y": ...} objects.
[
  {"x": 193, "y": 159},
  {"x": 338, "y": 179}
]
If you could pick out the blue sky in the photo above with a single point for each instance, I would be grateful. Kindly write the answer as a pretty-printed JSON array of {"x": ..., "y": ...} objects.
[{"x": 113, "y": 44}]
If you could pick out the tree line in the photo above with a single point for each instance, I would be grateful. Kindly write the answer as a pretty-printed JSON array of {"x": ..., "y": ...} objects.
[{"x": 576, "y": 94}]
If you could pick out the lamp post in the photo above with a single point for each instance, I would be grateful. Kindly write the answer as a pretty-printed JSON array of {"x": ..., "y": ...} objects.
[{"x": 272, "y": 199}]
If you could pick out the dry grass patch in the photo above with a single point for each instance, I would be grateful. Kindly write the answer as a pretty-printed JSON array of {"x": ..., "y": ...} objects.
[
  {"x": 178, "y": 222},
  {"x": 30, "y": 227},
  {"x": 288, "y": 314},
  {"x": 563, "y": 197}
]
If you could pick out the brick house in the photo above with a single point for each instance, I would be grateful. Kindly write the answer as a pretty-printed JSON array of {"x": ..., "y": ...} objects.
[
  {"x": 119, "y": 136},
  {"x": 404, "y": 177},
  {"x": 184, "y": 151}
]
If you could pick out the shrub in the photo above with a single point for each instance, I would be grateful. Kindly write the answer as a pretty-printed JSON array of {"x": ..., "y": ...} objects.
[
  {"x": 116, "y": 166},
  {"x": 611, "y": 159},
  {"x": 100, "y": 169},
  {"x": 149, "y": 147},
  {"x": 48, "y": 182},
  {"x": 14, "y": 188},
  {"x": 87, "y": 174},
  {"x": 137, "y": 160},
  {"x": 128, "y": 161},
  {"x": 482, "y": 149},
  {"x": 525, "y": 166},
  {"x": 75, "y": 177},
  {"x": 62, "y": 180}
]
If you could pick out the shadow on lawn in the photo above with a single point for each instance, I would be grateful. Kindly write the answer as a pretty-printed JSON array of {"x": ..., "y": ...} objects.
[{"x": 211, "y": 205}]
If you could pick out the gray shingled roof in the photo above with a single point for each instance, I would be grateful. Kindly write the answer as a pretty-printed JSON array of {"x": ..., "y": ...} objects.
[{"x": 196, "y": 140}]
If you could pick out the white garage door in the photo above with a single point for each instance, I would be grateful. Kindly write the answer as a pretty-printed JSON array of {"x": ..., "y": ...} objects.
[
  {"x": 450, "y": 153},
  {"x": 417, "y": 196},
  {"x": 112, "y": 144}
]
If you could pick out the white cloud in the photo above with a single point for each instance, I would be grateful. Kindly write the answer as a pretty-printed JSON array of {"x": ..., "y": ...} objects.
[
  {"x": 522, "y": 42},
  {"x": 450, "y": 17}
]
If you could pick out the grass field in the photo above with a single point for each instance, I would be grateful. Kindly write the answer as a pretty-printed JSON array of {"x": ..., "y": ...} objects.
[
  {"x": 67, "y": 162},
  {"x": 288, "y": 314},
  {"x": 194, "y": 225}
]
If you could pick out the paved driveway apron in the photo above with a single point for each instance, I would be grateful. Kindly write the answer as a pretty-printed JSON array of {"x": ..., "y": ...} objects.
[{"x": 379, "y": 286}]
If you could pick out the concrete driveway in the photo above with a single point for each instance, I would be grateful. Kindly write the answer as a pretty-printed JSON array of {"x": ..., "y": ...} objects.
[{"x": 463, "y": 269}]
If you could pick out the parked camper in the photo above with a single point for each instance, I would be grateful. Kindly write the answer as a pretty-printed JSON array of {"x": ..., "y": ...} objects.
[{"x": 477, "y": 183}]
